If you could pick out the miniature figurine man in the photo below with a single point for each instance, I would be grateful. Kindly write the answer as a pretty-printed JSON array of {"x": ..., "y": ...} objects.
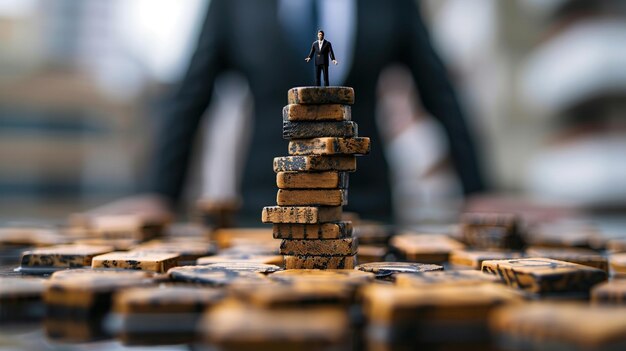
[{"x": 321, "y": 48}]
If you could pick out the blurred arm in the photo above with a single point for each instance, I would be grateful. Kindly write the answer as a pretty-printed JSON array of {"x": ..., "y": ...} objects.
[
  {"x": 312, "y": 51},
  {"x": 438, "y": 96}
]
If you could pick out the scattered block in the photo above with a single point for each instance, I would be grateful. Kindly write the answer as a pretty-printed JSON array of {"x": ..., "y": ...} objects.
[
  {"x": 474, "y": 258},
  {"x": 424, "y": 248},
  {"x": 611, "y": 292},
  {"x": 53, "y": 258},
  {"x": 445, "y": 278},
  {"x": 491, "y": 231},
  {"x": 585, "y": 257},
  {"x": 389, "y": 270},
  {"x": 158, "y": 262}
]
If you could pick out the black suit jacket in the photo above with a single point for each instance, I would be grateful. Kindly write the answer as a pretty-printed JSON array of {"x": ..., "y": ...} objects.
[
  {"x": 321, "y": 55},
  {"x": 235, "y": 37}
]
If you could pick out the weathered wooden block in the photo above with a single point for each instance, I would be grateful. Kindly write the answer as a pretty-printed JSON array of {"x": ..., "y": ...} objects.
[
  {"x": 320, "y": 262},
  {"x": 348, "y": 277},
  {"x": 371, "y": 253},
  {"x": 618, "y": 263},
  {"x": 445, "y": 278},
  {"x": 330, "y": 146},
  {"x": 188, "y": 250},
  {"x": 424, "y": 248},
  {"x": 314, "y": 163},
  {"x": 312, "y": 180},
  {"x": 337, "y": 230},
  {"x": 474, "y": 258},
  {"x": 544, "y": 275},
  {"x": 330, "y": 247},
  {"x": 491, "y": 231},
  {"x": 389, "y": 270},
  {"x": 611, "y": 292},
  {"x": 314, "y": 113},
  {"x": 238, "y": 326},
  {"x": 305, "y": 130},
  {"x": 301, "y": 214},
  {"x": 321, "y": 95},
  {"x": 216, "y": 276},
  {"x": 158, "y": 262},
  {"x": 50, "y": 259},
  {"x": 560, "y": 326},
  {"x": 241, "y": 257},
  {"x": 312, "y": 197},
  {"x": 585, "y": 257}
]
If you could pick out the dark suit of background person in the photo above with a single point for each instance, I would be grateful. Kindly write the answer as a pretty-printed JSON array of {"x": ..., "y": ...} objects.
[
  {"x": 246, "y": 36},
  {"x": 321, "y": 59}
]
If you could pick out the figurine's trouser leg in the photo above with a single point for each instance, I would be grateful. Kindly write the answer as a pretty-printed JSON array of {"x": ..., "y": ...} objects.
[
  {"x": 318, "y": 75},
  {"x": 325, "y": 68}
]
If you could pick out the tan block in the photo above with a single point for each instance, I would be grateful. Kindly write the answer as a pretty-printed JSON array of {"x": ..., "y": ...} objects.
[
  {"x": 349, "y": 277},
  {"x": 314, "y": 163},
  {"x": 61, "y": 257},
  {"x": 336, "y": 230},
  {"x": 560, "y": 326},
  {"x": 371, "y": 253},
  {"x": 272, "y": 294},
  {"x": 166, "y": 299},
  {"x": 425, "y": 248},
  {"x": 445, "y": 278},
  {"x": 618, "y": 263},
  {"x": 330, "y": 146},
  {"x": 574, "y": 255},
  {"x": 316, "y": 197},
  {"x": 301, "y": 214},
  {"x": 188, "y": 250},
  {"x": 312, "y": 180},
  {"x": 327, "y": 112},
  {"x": 234, "y": 257},
  {"x": 544, "y": 275},
  {"x": 474, "y": 258},
  {"x": 611, "y": 292},
  {"x": 158, "y": 262},
  {"x": 331, "y": 247},
  {"x": 320, "y": 262},
  {"x": 321, "y": 95}
]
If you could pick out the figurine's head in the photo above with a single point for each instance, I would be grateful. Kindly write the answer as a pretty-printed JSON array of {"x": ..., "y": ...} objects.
[{"x": 320, "y": 35}]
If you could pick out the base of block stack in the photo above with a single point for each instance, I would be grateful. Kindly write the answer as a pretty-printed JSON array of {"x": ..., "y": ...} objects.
[
  {"x": 320, "y": 262},
  {"x": 326, "y": 248}
]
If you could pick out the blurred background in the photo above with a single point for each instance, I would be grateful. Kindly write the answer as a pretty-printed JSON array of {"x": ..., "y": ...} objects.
[{"x": 543, "y": 83}]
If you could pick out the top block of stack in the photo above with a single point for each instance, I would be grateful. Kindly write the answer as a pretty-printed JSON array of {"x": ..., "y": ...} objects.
[{"x": 317, "y": 96}]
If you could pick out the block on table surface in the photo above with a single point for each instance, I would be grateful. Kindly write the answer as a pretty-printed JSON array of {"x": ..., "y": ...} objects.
[
  {"x": 319, "y": 262},
  {"x": 49, "y": 259},
  {"x": 350, "y": 277},
  {"x": 235, "y": 326},
  {"x": 321, "y": 95},
  {"x": 330, "y": 146},
  {"x": 474, "y": 258},
  {"x": 274, "y": 294},
  {"x": 315, "y": 163},
  {"x": 371, "y": 253},
  {"x": 563, "y": 326},
  {"x": 158, "y": 262},
  {"x": 327, "y": 247},
  {"x": 314, "y": 113},
  {"x": 424, "y": 248},
  {"x": 312, "y": 180},
  {"x": 21, "y": 299},
  {"x": 445, "y": 278},
  {"x": 301, "y": 214},
  {"x": 312, "y": 197},
  {"x": 276, "y": 260},
  {"x": 126, "y": 226},
  {"x": 187, "y": 250},
  {"x": 221, "y": 274},
  {"x": 28, "y": 236},
  {"x": 544, "y": 275},
  {"x": 582, "y": 256},
  {"x": 333, "y": 230},
  {"x": 611, "y": 292},
  {"x": 491, "y": 230},
  {"x": 618, "y": 263},
  {"x": 389, "y": 270},
  {"x": 307, "y": 130}
]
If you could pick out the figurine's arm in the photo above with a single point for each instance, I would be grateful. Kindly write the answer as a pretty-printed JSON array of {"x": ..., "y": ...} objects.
[
  {"x": 182, "y": 114},
  {"x": 332, "y": 54},
  {"x": 439, "y": 97},
  {"x": 308, "y": 58}
]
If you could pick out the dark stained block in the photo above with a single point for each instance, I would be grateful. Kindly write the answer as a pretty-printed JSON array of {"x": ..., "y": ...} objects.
[
  {"x": 21, "y": 299},
  {"x": 314, "y": 113},
  {"x": 337, "y": 230},
  {"x": 389, "y": 270},
  {"x": 320, "y": 262},
  {"x": 301, "y": 214},
  {"x": 314, "y": 163},
  {"x": 50, "y": 259},
  {"x": 544, "y": 275},
  {"x": 305, "y": 130},
  {"x": 329, "y": 247},
  {"x": 312, "y": 197},
  {"x": 611, "y": 292},
  {"x": 445, "y": 278},
  {"x": 491, "y": 231},
  {"x": 321, "y": 95},
  {"x": 312, "y": 180},
  {"x": 220, "y": 275},
  {"x": 330, "y": 146}
]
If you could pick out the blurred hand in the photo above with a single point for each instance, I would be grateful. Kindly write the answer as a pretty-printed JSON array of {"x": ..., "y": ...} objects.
[
  {"x": 335, "y": 62},
  {"x": 307, "y": 59}
]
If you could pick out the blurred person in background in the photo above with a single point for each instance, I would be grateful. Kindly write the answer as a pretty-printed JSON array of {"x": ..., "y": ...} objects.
[{"x": 250, "y": 37}]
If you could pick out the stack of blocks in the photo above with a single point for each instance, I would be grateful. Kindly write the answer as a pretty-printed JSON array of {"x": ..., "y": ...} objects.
[{"x": 313, "y": 180}]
